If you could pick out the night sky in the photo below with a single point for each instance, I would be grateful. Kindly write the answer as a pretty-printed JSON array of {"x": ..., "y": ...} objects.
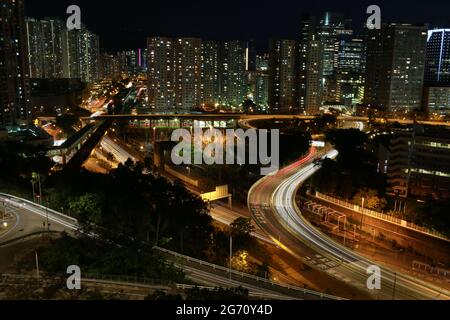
[{"x": 125, "y": 24}]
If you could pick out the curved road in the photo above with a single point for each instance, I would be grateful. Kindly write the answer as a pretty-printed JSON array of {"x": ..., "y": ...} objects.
[
  {"x": 30, "y": 217},
  {"x": 272, "y": 203}
]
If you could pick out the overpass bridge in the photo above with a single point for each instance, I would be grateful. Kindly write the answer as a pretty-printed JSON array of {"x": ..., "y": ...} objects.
[
  {"x": 73, "y": 144},
  {"x": 249, "y": 118},
  {"x": 78, "y": 148}
]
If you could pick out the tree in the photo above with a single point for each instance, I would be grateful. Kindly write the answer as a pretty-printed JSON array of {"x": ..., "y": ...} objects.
[
  {"x": 370, "y": 198},
  {"x": 17, "y": 163},
  {"x": 347, "y": 140},
  {"x": 87, "y": 207},
  {"x": 242, "y": 227},
  {"x": 241, "y": 230},
  {"x": 434, "y": 215},
  {"x": 233, "y": 294},
  {"x": 99, "y": 257},
  {"x": 163, "y": 296},
  {"x": 249, "y": 106},
  {"x": 325, "y": 122}
]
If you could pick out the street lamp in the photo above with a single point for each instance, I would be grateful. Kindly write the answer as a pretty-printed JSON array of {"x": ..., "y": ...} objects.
[
  {"x": 362, "y": 217},
  {"x": 4, "y": 211},
  {"x": 46, "y": 214},
  {"x": 231, "y": 252}
]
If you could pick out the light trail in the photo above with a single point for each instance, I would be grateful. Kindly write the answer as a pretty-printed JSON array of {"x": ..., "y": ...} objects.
[{"x": 283, "y": 219}]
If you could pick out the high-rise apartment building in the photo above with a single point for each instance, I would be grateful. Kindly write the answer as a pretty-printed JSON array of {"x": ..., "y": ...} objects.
[
  {"x": 308, "y": 30},
  {"x": 81, "y": 55},
  {"x": 161, "y": 69},
  {"x": 395, "y": 67},
  {"x": 45, "y": 44},
  {"x": 283, "y": 76},
  {"x": 250, "y": 56},
  {"x": 88, "y": 55},
  {"x": 262, "y": 62},
  {"x": 261, "y": 94},
  {"x": 186, "y": 73},
  {"x": 35, "y": 50},
  {"x": 210, "y": 89},
  {"x": 14, "y": 70},
  {"x": 55, "y": 52},
  {"x": 174, "y": 73},
  {"x": 134, "y": 61},
  {"x": 188, "y": 62},
  {"x": 232, "y": 73},
  {"x": 314, "y": 77},
  {"x": 110, "y": 66}
]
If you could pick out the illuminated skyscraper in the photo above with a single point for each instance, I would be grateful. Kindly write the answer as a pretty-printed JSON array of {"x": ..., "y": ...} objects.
[
  {"x": 188, "y": 62},
  {"x": 161, "y": 86},
  {"x": 174, "y": 73},
  {"x": 283, "y": 76},
  {"x": 135, "y": 61},
  {"x": 232, "y": 73},
  {"x": 35, "y": 50},
  {"x": 308, "y": 30},
  {"x": 261, "y": 96},
  {"x": 210, "y": 89},
  {"x": 110, "y": 67},
  {"x": 350, "y": 71},
  {"x": 89, "y": 55},
  {"x": 395, "y": 66},
  {"x": 437, "y": 66},
  {"x": 14, "y": 70},
  {"x": 81, "y": 54},
  {"x": 332, "y": 27},
  {"x": 45, "y": 48},
  {"x": 262, "y": 62},
  {"x": 314, "y": 77},
  {"x": 250, "y": 56}
]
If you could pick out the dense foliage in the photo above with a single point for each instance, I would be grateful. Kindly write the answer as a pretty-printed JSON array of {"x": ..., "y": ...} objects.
[
  {"x": 17, "y": 163},
  {"x": 127, "y": 204},
  {"x": 354, "y": 175},
  {"x": 95, "y": 256}
]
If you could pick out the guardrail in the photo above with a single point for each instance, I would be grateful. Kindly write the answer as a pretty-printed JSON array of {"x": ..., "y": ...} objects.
[
  {"x": 261, "y": 296},
  {"x": 56, "y": 213},
  {"x": 382, "y": 216},
  {"x": 242, "y": 275},
  {"x": 423, "y": 267},
  {"x": 133, "y": 280},
  {"x": 115, "y": 279},
  {"x": 125, "y": 281}
]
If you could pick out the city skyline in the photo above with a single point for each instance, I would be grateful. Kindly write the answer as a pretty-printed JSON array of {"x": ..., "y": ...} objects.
[
  {"x": 330, "y": 64},
  {"x": 258, "y": 20}
]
